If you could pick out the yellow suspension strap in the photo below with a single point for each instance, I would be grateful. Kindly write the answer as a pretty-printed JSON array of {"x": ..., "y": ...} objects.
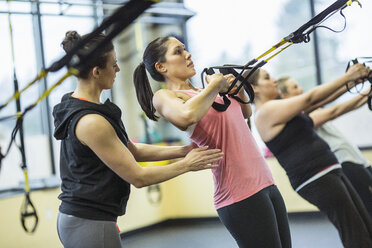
[
  {"x": 27, "y": 209},
  {"x": 298, "y": 36}
]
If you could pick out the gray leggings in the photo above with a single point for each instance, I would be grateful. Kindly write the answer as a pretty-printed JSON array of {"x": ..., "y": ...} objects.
[{"x": 75, "y": 232}]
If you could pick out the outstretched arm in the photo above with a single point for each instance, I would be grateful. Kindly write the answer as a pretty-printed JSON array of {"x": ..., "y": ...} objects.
[
  {"x": 97, "y": 133},
  {"x": 322, "y": 115},
  {"x": 319, "y": 94},
  {"x": 146, "y": 152},
  {"x": 273, "y": 115},
  {"x": 331, "y": 97}
]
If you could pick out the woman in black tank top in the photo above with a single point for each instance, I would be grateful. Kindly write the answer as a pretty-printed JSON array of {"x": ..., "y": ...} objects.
[
  {"x": 354, "y": 165},
  {"x": 312, "y": 168}
]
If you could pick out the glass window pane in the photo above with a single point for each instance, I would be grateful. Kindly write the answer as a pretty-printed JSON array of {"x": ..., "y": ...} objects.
[{"x": 15, "y": 6}]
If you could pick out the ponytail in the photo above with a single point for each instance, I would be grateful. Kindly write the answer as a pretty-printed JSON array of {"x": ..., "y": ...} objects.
[
  {"x": 144, "y": 91},
  {"x": 154, "y": 52}
]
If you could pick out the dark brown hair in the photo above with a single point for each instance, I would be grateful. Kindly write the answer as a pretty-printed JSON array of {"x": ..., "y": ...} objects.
[
  {"x": 100, "y": 59},
  {"x": 154, "y": 52}
]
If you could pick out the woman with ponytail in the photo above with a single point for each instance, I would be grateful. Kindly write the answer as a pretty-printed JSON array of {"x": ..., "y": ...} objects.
[
  {"x": 246, "y": 198},
  {"x": 98, "y": 162}
]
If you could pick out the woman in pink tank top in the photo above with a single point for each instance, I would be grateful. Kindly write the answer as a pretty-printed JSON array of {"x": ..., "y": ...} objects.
[{"x": 246, "y": 198}]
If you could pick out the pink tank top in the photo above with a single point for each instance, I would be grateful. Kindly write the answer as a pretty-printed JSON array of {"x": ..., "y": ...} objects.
[{"x": 242, "y": 171}]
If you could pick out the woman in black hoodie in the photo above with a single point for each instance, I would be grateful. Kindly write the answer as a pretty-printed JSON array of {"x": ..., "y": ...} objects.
[{"x": 98, "y": 161}]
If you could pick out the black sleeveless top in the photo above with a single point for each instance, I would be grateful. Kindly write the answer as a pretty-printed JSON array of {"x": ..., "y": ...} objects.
[
  {"x": 90, "y": 189},
  {"x": 300, "y": 151}
]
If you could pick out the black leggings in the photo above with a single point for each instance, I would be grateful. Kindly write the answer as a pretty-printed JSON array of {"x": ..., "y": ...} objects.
[
  {"x": 334, "y": 195},
  {"x": 259, "y": 221},
  {"x": 361, "y": 178}
]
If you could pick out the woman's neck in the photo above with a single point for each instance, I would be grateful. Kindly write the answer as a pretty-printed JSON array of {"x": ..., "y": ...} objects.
[
  {"x": 88, "y": 91},
  {"x": 179, "y": 85}
]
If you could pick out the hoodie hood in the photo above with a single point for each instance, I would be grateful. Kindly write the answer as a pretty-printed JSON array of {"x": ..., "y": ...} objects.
[{"x": 70, "y": 106}]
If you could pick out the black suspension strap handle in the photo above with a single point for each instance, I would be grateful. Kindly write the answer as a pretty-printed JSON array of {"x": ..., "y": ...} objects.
[
  {"x": 226, "y": 101},
  {"x": 28, "y": 210},
  {"x": 364, "y": 60}
]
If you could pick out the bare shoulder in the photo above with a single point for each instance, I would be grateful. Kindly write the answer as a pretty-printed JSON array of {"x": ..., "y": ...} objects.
[
  {"x": 164, "y": 93},
  {"x": 265, "y": 110},
  {"x": 168, "y": 96},
  {"x": 92, "y": 126}
]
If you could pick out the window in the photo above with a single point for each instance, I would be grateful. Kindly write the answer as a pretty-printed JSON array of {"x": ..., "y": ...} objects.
[{"x": 56, "y": 19}]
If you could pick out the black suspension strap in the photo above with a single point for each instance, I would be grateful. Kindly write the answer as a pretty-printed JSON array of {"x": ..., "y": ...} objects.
[{"x": 300, "y": 35}]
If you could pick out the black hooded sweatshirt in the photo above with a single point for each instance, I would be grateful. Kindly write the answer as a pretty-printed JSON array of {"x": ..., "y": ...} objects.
[{"x": 90, "y": 189}]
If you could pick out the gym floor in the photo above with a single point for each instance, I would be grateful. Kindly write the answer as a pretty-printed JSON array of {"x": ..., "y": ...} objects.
[{"x": 308, "y": 230}]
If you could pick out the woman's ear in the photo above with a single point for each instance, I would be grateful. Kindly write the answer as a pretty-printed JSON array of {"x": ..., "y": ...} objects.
[
  {"x": 160, "y": 67},
  {"x": 95, "y": 72}
]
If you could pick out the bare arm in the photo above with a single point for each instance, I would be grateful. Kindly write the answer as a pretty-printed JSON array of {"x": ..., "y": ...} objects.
[
  {"x": 322, "y": 115},
  {"x": 274, "y": 114},
  {"x": 146, "y": 152},
  {"x": 330, "y": 98},
  {"x": 96, "y": 132},
  {"x": 185, "y": 112}
]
